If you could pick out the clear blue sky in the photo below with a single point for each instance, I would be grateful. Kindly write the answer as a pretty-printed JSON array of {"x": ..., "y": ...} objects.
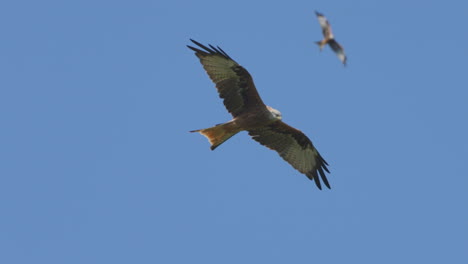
[{"x": 97, "y": 165}]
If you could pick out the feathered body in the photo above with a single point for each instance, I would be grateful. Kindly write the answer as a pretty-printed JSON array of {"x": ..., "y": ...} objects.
[
  {"x": 237, "y": 89},
  {"x": 329, "y": 39}
]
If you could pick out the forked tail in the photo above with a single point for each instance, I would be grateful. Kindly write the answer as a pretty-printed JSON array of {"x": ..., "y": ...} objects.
[
  {"x": 218, "y": 134},
  {"x": 321, "y": 43}
]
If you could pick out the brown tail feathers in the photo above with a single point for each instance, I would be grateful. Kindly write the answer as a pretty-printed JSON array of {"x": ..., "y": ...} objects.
[
  {"x": 218, "y": 134},
  {"x": 321, "y": 43}
]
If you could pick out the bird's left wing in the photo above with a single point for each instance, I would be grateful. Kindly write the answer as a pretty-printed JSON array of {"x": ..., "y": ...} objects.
[
  {"x": 338, "y": 49},
  {"x": 295, "y": 148}
]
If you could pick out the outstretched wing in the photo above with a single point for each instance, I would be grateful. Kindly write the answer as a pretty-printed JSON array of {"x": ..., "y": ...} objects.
[
  {"x": 325, "y": 25},
  {"x": 295, "y": 148},
  {"x": 338, "y": 49},
  {"x": 234, "y": 83}
]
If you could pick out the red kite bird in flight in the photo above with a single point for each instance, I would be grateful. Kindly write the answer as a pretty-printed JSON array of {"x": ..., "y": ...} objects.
[
  {"x": 237, "y": 89},
  {"x": 329, "y": 38}
]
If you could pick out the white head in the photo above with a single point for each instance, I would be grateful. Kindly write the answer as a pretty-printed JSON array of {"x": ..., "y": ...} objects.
[{"x": 275, "y": 113}]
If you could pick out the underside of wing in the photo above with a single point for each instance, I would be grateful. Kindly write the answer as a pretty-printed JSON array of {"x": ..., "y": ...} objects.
[
  {"x": 339, "y": 51},
  {"x": 295, "y": 148},
  {"x": 234, "y": 83},
  {"x": 325, "y": 25}
]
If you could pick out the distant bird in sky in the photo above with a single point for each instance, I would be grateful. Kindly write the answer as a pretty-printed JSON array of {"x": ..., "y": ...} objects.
[
  {"x": 236, "y": 87},
  {"x": 329, "y": 38}
]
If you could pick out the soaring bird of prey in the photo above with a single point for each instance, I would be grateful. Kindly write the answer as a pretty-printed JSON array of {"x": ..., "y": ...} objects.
[
  {"x": 329, "y": 39},
  {"x": 236, "y": 87}
]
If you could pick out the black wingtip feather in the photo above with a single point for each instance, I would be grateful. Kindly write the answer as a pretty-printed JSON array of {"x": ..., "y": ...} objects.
[
  {"x": 213, "y": 47},
  {"x": 324, "y": 165},
  {"x": 205, "y": 51},
  {"x": 224, "y": 53},
  {"x": 319, "y": 173},
  {"x": 324, "y": 178},
  {"x": 313, "y": 176},
  {"x": 317, "y": 181},
  {"x": 199, "y": 44},
  {"x": 196, "y": 50},
  {"x": 208, "y": 50}
]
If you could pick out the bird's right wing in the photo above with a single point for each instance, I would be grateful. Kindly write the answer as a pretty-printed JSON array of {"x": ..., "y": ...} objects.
[
  {"x": 325, "y": 25},
  {"x": 234, "y": 83}
]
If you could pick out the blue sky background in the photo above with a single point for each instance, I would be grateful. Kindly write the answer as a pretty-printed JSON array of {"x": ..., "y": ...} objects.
[{"x": 97, "y": 165}]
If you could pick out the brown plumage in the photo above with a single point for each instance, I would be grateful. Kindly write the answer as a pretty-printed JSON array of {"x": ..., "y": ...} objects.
[
  {"x": 237, "y": 89},
  {"x": 329, "y": 39}
]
